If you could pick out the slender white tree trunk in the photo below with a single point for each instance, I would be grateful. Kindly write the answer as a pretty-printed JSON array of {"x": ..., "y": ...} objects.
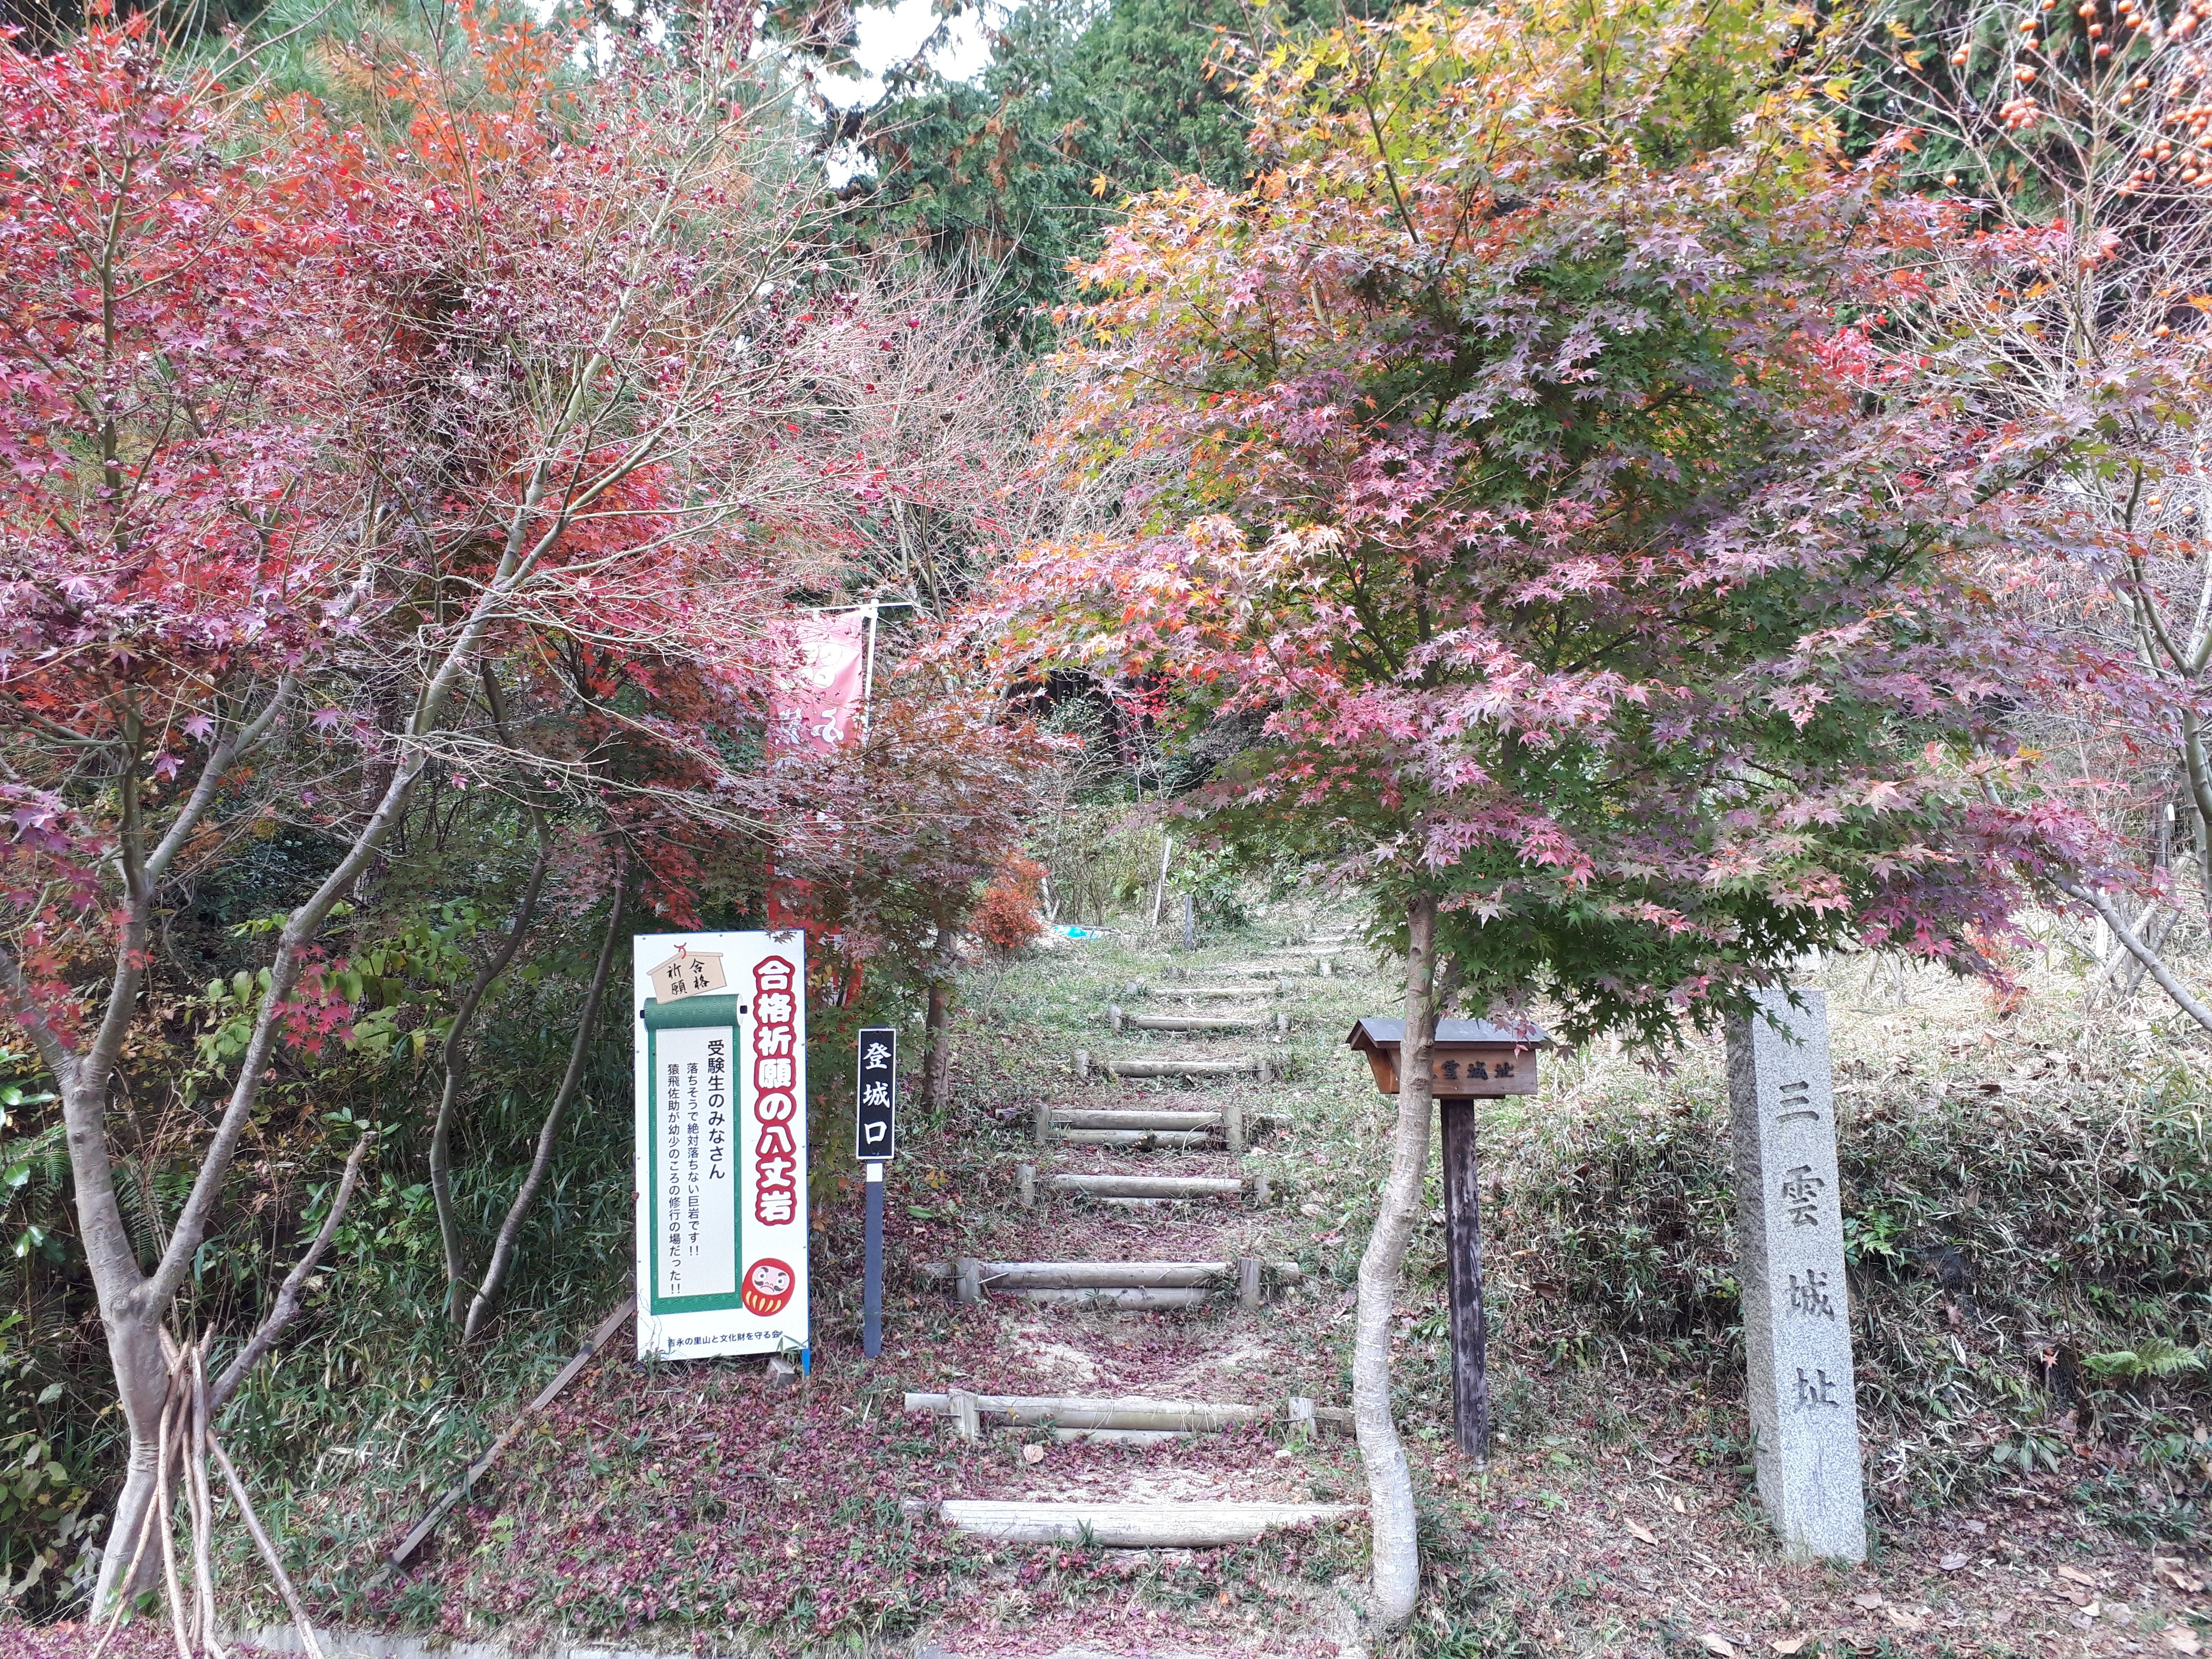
[
  {"x": 587, "y": 1027},
  {"x": 1389, "y": 1483},
  {"x": 142, "y": 1378}
]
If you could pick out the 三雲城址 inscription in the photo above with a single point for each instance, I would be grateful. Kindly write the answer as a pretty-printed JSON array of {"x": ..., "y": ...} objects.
[{"x": 1790, "y": 1254}]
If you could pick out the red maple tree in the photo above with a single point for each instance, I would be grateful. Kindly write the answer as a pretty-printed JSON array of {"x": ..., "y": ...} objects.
[{"x": 485, "y": 446}]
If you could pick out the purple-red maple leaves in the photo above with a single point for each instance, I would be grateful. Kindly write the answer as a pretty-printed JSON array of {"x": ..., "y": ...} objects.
[{"x": 1511, "y": 484}]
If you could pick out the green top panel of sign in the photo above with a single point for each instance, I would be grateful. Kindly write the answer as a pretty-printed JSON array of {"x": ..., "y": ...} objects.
[{"x": 691, "y": 1012}]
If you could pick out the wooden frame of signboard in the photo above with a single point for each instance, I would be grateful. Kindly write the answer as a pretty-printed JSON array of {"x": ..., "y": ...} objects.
[{"x": 721, "y": 1153}]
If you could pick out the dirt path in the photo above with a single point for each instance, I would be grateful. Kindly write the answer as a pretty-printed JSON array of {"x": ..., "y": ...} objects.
[
  {"x": 1623, "y": 1524},
  {"x": 1223, "y": 1352}
]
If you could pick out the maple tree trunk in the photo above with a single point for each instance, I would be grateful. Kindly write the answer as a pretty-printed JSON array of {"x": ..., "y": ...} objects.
[
  {"x": 133, "y": 1302},
  {"x": 937, "y": 1026},
  {"x": 130, "y": 1315},
  {"x": 142, "y": 1384},
  {"x": 1389, "y": 1483}
]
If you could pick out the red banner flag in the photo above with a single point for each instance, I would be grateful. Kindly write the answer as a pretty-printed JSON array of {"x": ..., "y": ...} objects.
[
  {"x": 813, "y": 711},
  {"x": 816, "y": 708}
]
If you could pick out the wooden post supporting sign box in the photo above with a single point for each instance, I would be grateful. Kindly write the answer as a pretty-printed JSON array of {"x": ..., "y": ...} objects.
[{"x": 1471, "y": 1060}]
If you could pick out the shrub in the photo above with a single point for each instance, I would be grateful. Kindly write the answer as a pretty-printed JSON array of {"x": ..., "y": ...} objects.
[{"x": 1006, "y": 920}]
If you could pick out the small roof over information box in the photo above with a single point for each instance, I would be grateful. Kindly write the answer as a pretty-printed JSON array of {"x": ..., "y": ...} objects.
[{"x": 1474, "y": 1059}]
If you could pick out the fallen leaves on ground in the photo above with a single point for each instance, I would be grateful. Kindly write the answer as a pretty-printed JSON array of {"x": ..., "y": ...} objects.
[{"x": 2172, "y": 1571}]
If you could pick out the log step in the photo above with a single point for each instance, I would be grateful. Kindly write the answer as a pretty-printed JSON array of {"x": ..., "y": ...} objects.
[
  {"x": 1162, "y": 1130},
  {"x": 1114, "y": 1275},
  {"x": 1302, "y": 965},
  {"x": 1123, "y": 1286},
  {"x": 1131, "y": 1413},
  {"x": 1123, "y": 1299},
  {"x": 1119, "y": 1286},
  {"x": 1256, "y": 1066},
  {"x": 1161, "y": 1139},
  {"x": 1114, "y": 1117},
  {"x": 1127, "y": 1299},
  {"x": 1153, "y": 1186},
  {"x": 1140, "y": 1192},
  {"x": 1118, "y": 1020},
  {"x": 1131, "y": 1526},
  {"x": 1203, "y": 993},
  {"x": 1135, "y": 1127}
]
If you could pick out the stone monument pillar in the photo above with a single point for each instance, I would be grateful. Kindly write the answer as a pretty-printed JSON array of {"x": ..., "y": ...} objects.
[{"x": 1790, "y": 1262}]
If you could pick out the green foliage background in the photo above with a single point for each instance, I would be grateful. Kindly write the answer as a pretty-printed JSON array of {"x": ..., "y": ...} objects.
[{"x": 1009, "y": 179}]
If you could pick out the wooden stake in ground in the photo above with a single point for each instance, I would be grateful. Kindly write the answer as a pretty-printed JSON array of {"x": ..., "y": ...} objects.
[
  {"x": 263, "y": 1542},
  {"x": 1790, "y": 1261},
  {"x": 476, "y": 1471}
]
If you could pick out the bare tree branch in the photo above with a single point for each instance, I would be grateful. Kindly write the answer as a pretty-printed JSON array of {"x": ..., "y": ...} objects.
[
  {"x": 510, "y": 1227},
  {"x": 287, "y": 1305},
  {"x": 2115, "y": 919},
  {"x": 292, "y": 1604}
]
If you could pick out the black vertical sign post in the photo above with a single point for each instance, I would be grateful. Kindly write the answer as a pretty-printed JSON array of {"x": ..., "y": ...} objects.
[{"x": 875, "y": 1143}]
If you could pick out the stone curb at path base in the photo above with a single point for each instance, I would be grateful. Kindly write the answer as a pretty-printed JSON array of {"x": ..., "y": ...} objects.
[
  {"x": 339, "y": 1644},
  {"x": 379, "y": 1644}
]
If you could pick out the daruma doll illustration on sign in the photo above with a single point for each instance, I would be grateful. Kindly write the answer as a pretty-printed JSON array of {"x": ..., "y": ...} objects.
[{"x": 721, "y": 1143}]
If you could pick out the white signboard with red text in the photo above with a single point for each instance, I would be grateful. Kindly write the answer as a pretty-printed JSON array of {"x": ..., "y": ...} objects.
[{"x": 721, "y": 1143}]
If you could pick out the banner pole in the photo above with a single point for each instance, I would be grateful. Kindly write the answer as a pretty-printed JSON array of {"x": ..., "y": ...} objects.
[
  {"x": 868, "y": 669},
  {"x": 871, "y": 1296}
]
